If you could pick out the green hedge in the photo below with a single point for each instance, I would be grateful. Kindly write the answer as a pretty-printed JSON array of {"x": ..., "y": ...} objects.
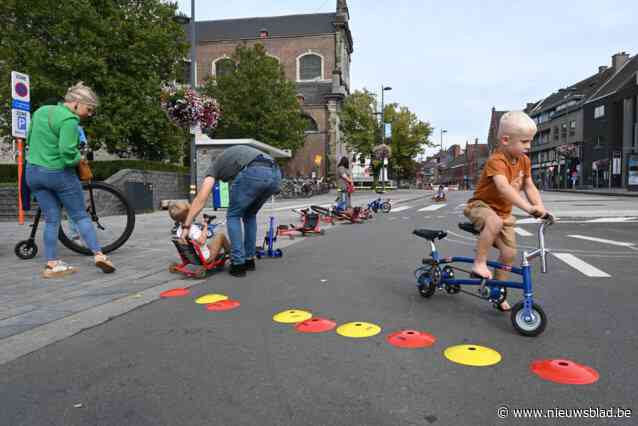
[
  {"x": 102, "y": 169},
  {"x": 8, "y": 173}
]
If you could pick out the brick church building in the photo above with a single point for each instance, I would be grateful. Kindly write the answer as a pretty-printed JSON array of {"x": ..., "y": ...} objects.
[{"x": 315, "y": 51}]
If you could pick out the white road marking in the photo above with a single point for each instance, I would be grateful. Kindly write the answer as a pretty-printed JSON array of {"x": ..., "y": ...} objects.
[
  {"x": 611, "y": 219},
  {"x": 602, "y": 240},
  {"x": 581, "y": 266},
  {"x": 526, "y": 221},
  {"x": 400, "y": 209},
  {"x": 522, "y": 232},
  {"x": 432, "y": 207}
]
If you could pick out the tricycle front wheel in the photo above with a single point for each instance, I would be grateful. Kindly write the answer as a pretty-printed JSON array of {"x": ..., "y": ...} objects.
[{"x": 529, "y": 326}]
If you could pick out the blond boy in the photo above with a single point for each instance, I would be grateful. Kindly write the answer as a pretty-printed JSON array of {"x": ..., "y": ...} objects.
[
  {"x": 178, "y": 211},
  {"x": 506, "y": 173}
]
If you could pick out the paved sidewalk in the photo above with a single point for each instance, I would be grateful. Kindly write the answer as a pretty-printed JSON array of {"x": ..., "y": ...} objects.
[{"x": 27, "y": 301}]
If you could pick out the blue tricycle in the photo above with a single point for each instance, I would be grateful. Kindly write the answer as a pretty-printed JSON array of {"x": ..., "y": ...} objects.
[
  {"x": 385, "y": 205},
  {"x": 528, "y": 318}
]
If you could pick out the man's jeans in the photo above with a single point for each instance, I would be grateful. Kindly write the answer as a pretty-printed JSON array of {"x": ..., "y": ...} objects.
[
  {"x": 252, "y": 187},
  {"x": 55, "y": 188}
]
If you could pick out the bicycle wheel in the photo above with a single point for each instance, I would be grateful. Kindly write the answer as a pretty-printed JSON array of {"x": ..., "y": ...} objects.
[{"x": 111, "y": 214}]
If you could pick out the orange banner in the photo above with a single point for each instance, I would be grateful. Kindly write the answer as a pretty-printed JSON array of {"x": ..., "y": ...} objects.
[{"x": 20, "y": 174}]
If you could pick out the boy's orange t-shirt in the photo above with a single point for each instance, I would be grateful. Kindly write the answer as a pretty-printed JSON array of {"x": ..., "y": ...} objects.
[{"x": 499, "y": 164}]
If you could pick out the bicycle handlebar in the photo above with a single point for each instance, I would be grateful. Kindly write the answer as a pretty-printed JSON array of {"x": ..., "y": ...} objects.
[{"x": 547, "y": 220}]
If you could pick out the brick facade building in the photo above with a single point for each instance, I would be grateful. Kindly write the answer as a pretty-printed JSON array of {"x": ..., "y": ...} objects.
[
  {"x": 315, "y": 52},
  {"x": 610, "y": 155}
]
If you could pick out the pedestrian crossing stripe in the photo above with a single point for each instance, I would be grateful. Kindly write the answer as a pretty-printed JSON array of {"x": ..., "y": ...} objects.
[
  {"x": 432, "y": 207},
  {"x": 400, "y": 209},
  {"x": 522, "y": 232},
  {"x": 581, "y": 265},
  {"x": 611, "y": 219},
  {"x": 602, "y": 240}
]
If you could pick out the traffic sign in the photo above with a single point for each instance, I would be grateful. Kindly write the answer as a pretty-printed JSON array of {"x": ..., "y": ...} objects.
[
  {"x": 20, "y": 123},
  {"x": 20, "y": 87},
  {"x": 24, "y": 106},
  {"x": 20, "y": 105}
]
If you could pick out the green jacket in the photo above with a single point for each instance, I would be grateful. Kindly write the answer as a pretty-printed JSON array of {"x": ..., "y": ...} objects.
[{"x": 54, "y": 145}]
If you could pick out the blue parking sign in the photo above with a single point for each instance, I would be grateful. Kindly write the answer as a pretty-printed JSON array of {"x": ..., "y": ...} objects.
[{"x": 20, "y": 123}]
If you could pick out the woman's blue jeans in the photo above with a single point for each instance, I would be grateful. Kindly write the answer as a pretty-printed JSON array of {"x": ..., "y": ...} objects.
[
  {"x": 252, "y": 187},
  {"x": 54, "y": 189}
]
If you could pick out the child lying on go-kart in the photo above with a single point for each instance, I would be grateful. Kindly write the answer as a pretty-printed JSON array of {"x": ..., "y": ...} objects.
[{"x": 208, "y": 254}]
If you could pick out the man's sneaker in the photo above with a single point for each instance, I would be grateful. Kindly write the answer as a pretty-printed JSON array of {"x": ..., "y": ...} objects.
[
  {"x": 60, "y": 269},
  {"x": 250, "y": 264},
  {"x": 237, "y": 270},
  {"x": 102, "y": 262}
]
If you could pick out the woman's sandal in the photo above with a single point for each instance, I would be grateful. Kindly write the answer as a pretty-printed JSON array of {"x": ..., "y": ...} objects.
[
  {"x": 60, "y": 269},
  {"x": 102, "y": 262}
]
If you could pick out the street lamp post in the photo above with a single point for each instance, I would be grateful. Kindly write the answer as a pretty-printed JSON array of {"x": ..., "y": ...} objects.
[
  {"x": 441, "y": 153},
  {"x": 383, "y": 169},
  {"x": 181, "y": 19},
  {"x": 193, "y": 82}
]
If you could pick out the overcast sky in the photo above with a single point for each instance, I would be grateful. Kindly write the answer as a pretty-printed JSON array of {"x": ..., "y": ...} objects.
[{"x": 451, "y": 61}]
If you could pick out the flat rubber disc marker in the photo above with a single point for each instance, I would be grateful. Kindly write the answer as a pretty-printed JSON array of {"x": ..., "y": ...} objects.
[
  {"x": 474, "y": 355},
  {"x": 358, "y": 330},
  {"x": 564, "y": 371},
  {"x": 291, "y": 316}
]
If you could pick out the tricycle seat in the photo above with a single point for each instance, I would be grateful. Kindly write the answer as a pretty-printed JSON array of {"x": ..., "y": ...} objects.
[
  {"x": 430, "y": 234},
  {"x": 187, "y": 252}
]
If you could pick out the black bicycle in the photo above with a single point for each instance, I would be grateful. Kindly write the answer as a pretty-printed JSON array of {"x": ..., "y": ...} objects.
[{"x": 110, "y": 212}]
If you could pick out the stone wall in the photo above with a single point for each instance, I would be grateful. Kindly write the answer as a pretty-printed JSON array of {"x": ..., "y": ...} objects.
[
  {"x": 165, "y": 185},
  {"x": 9, "y": 205}
]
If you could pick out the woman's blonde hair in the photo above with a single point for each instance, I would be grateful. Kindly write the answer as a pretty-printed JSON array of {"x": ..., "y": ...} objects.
[{"x": 81, "y": 93}]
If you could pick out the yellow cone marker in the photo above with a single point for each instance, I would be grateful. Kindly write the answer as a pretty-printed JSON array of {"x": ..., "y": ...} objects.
[
  {"x": 475, "y": 355},
  {"x": 292, "y": 316},
  {"x": 358, "y": 329},
  {"x": 210, "y": 298}
]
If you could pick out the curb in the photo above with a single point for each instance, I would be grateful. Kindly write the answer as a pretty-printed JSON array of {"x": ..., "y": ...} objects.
[{"x": 21, "y": 344}]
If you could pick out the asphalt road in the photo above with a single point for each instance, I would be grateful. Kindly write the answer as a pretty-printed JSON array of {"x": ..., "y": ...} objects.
[{"x": 174, "y": 363}]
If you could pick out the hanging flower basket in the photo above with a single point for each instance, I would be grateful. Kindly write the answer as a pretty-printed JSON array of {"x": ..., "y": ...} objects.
[{"x": 187, "y": 108}]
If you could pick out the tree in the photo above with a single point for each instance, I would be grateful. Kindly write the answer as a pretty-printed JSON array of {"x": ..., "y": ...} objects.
[
  {"x": 410, "y": 136},
  {"x": 125, "y": 50},
  {"x": 257, "y": 101},
  {"x": 360, "y": 129},
  {"x": 358, "y": 123}
]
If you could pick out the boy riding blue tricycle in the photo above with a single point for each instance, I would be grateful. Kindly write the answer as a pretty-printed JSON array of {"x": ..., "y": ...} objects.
[{"x": 528, "y": 318}]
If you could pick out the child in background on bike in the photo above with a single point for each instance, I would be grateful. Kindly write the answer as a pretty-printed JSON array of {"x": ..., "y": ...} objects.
[
  {"x": 506, "y": 173},
  {"x": 198, "y": 233}
]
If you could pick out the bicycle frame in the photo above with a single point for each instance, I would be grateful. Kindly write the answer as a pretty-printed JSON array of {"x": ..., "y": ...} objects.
[{"x": 524, "y": 271}]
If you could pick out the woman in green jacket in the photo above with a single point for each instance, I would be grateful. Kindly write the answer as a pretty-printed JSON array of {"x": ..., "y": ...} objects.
[{"x": 53, "y": 142}]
